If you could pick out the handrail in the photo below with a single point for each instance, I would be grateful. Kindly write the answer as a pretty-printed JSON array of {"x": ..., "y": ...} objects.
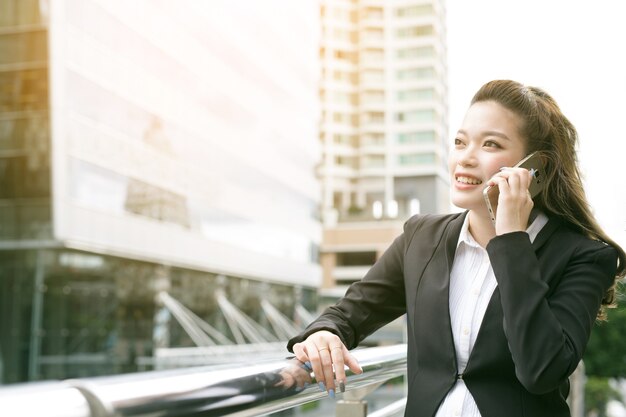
[{"x": 241, "y": 391}]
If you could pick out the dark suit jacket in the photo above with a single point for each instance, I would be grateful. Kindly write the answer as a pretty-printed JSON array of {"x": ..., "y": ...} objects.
[{"x": 534, "y": 331}]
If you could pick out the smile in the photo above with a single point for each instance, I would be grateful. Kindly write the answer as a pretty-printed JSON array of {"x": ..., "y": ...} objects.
[{"x": 467, "y": 180}]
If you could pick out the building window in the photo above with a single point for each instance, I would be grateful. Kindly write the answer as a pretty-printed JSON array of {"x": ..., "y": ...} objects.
[
  {"x": 415, "y": 31},
  {"x": 373, "y": 140},
  {"x": 343, "y": 35},
  {"x": 345, "y": 98},
  {"x": 373, "y": 13},
  {"x": 345, "y": 76},
  {"x": 345, "y": 161},
  {"x": 374, "y": 118},
  {"x": 24, "y": 47},
  {"x": 373, "y": 97},
  {"x": 96, "y": 187},
  {"x": 374, "y": 34},
  {"x": 374, "y": 161},
  {"x": 24, "y": 90},
  {"x": 373, "y": 55},
  {"x": 345, "y": 139},
  {"x": 416, "y": 116},
  {"x": 345, "y": 56},
  {"x": 373, "y": 76},
  {"x": 20, "y": 13},
  {"x": 424, "y": 73},
  {"x": 426, "y": 136},
  {"x": 417, "y": 52},
  {"x": 417, "y": 10},
  {"x": 416, "y": 159},
  {"x": 421, "y": 94}
]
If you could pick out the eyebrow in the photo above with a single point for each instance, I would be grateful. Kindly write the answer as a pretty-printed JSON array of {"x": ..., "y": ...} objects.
[{"x": 488, "y": 133}]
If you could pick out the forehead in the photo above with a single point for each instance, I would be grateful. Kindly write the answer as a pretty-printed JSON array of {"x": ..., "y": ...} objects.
[{"x": 485, "y": 116}]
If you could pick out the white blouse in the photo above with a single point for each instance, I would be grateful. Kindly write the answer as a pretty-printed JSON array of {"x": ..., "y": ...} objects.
[{"x": 472, "y": 283}]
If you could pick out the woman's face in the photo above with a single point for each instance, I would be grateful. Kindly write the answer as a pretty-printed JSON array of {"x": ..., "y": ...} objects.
[{"x": 489, "y": 139}]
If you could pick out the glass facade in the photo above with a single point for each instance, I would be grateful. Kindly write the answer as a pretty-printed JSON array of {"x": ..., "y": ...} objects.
[
  {"x": 181, "y": 131},
  {"x": 24, "y": 123},
  {"x": 67, "y": 314},
  {"x": 128, "y": 168}
]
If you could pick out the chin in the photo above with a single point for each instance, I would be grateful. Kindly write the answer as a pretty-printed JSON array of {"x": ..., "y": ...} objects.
[{"x": 466, "y": 203}]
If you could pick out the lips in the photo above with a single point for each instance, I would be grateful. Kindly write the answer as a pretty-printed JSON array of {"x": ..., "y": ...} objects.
[{"x": 468, "y": 180}]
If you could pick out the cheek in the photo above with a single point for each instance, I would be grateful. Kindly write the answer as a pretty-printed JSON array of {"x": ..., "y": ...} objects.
[
  {"x": 496, "y": 164},
  {"x": 451, "y": 161}
]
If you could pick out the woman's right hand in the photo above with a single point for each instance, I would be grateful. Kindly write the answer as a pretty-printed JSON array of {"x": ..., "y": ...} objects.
[{"x": 325, "y": 351}]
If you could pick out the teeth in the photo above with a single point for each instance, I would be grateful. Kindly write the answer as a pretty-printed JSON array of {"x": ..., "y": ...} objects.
[{"x": 466, "y": 180}]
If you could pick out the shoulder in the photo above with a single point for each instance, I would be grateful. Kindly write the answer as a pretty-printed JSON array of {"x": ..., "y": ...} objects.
[
  {"x": 431, "y": 220},
  {"x": 580, "y": 248},
  {"x": 434, "y": 225}
]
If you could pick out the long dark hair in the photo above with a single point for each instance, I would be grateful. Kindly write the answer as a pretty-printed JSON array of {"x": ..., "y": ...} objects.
[{"x": 551, "y": 134}]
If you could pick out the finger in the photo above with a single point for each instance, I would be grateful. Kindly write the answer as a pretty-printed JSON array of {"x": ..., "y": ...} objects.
[
  {"x": 523, "y": 177},
  {"x": 351, "y": 361},
  {"x": 316, "y": 364},
  {"x": 327, "y": 368},
  {"x": 299, "y": 351},
  {"x": 528, "y": 177},
  {"x": 347, "y": 360},
  {"x": 504, "y": 172},
  {"x": 337, "y": 355},
  {"x": 503, "y": 185},
  {"x": 514, "y": 182}
]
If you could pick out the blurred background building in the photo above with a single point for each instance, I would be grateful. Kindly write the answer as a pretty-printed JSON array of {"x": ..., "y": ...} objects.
[
  {"x": 383, "y": 128},
  {"x": 148, "y": 147},
  {"x": 163, "y": 156}
]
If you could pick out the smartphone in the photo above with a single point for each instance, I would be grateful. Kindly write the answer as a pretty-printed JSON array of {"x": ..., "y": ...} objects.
[{"x": 532, "y": 163}]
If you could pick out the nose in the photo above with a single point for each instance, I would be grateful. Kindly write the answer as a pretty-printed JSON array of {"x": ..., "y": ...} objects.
[{"x": 467, "y": 157}]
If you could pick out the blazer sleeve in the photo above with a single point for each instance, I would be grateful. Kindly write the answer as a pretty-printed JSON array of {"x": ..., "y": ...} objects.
[
  {"x": 369, "y": 303},
  {"x": 548, "y": 318}
]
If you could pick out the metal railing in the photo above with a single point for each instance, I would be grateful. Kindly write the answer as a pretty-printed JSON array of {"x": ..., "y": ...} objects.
[{"x": 251, "y": 390}]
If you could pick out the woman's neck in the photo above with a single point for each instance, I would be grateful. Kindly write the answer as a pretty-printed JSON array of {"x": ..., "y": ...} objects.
[{"x": 481, "y": 227}]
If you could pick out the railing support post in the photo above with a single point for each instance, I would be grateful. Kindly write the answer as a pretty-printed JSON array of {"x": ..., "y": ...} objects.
[
  {"x": 351, "y": 408},
  {"x": 353, "y": 404}
]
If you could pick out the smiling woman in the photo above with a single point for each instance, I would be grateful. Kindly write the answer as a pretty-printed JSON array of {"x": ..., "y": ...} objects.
[
  {"x": 518, "y": 297},
  {"x": 491, "y": 39},
  {"x": 490, "y": 138}
]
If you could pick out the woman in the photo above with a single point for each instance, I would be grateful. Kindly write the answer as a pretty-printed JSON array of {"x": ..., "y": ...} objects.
[{"x": 498, "y": 314}]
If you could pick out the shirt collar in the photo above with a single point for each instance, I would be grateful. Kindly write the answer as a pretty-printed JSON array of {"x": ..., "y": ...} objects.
[
  {"x": 465, "y": 236},
  {"x": 533, "y": 230}
]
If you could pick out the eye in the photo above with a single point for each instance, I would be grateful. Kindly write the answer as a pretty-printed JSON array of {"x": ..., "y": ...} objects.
[
  {"x": 492, "y": 144},
  {"x": 458, "y": 142}
]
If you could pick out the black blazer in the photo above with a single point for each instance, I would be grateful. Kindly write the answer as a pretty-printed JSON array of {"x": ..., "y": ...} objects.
[{"x": 534, "y": 331}]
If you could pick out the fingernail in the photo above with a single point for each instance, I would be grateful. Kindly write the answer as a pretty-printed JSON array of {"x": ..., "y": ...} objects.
[
  {"x": 342, "y": 386},
  {"x": 331, "y": 393},
  {"x": 308, "y": 366},
  {"x": 322, "y": 386}
]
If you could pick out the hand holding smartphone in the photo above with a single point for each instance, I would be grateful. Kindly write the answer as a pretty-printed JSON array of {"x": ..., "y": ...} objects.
[{"x": 532, "y": 163}]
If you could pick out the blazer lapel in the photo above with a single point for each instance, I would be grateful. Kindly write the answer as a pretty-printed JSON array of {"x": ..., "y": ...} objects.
[
  {"x": 547, "y": 231},
  {"x": 432, "y": 297}
]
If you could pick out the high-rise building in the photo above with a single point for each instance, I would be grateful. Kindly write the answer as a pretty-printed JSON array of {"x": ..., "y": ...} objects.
[
  {"x": 383, "y": 127},
  {"x": 144, "y": 147}
]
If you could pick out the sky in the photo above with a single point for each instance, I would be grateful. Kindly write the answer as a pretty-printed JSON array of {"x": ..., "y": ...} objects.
[{"x": 576, "y": 51}]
